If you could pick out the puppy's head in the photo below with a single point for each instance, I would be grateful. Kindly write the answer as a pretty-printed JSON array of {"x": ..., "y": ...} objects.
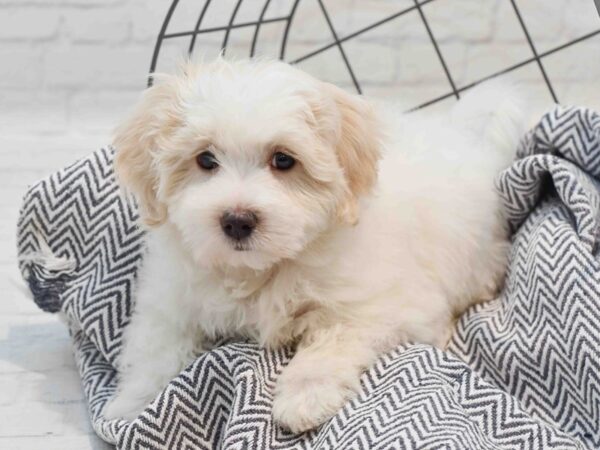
[{"x": 250, "y": 161}]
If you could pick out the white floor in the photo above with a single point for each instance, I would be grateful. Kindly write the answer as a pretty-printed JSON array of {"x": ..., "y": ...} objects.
[{"x": 41, "y": 399}]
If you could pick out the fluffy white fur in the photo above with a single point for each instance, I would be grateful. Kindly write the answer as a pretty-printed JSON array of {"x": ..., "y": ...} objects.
[{"x": 387, "y": 227}]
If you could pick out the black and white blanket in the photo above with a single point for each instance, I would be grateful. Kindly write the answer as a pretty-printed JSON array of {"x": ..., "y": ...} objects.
[{"x": 521, "y": 372}]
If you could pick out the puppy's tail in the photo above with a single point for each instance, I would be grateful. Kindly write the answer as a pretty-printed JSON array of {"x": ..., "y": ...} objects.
[{"x": 495, "y": 111}]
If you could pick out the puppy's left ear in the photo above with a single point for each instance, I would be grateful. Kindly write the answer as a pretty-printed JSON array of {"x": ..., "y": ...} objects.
[{"x": 358, "y": 148}]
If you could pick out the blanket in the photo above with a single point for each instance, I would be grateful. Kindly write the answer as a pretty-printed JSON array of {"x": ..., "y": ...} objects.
[{"x": 520, "y": 372}]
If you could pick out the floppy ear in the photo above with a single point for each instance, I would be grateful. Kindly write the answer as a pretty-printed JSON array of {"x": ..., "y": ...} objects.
[
  {"x": 137, "y": 142},
  {"x": 358, "y": 148}
]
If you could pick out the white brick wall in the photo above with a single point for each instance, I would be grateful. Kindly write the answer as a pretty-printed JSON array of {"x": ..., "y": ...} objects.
[{"x": 72, "y": 66}]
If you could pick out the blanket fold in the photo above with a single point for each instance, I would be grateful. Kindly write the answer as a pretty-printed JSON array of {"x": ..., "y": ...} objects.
[{"x": 521, "y": 372}]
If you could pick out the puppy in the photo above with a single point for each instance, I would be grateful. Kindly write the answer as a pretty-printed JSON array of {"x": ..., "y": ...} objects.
[{"x": 283, "y": 209}]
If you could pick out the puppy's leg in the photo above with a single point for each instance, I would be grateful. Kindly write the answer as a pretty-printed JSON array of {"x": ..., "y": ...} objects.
[
  {"x": 324, "y": 374},
  {"x": 156, "y": 349}
]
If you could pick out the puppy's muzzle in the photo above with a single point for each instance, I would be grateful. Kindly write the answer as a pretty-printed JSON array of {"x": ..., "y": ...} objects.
[{"x": 238, "y": 225}]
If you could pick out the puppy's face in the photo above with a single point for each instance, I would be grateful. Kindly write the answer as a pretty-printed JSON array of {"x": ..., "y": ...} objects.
[{"x": 249, "y": 161}]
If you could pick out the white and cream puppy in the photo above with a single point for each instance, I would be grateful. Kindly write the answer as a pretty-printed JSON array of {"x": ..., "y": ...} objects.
[{"x": 285, "y": 209}]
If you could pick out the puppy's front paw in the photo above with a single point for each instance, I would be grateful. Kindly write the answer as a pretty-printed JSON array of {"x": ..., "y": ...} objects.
[{"x": 304, "y": 402}]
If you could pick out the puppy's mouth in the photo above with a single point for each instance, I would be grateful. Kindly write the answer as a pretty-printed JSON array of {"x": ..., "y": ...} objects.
[{"x": 241, "y": 247}]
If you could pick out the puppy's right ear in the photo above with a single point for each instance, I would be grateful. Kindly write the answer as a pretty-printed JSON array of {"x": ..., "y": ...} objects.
[
  {"x": 139, "y": 139},
  {"x": 358, "y": 148}
]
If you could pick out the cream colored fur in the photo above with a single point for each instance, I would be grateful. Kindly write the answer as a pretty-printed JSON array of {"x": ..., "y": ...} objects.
[{"x": 387, "y": 227}]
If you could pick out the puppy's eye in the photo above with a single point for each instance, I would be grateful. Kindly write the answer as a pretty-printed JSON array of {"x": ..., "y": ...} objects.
[
  {"x": 207, "y": 161},
  {"x": 281, "y": 161}
]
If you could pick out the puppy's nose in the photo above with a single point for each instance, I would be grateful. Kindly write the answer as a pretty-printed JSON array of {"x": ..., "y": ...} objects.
[{"x": 238, "y": 225}]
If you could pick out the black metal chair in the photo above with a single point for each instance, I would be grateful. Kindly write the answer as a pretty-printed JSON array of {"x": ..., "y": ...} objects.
[{"x": 189, "y": 39}]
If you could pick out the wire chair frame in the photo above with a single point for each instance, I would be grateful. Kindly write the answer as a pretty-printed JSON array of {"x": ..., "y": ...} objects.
[{"x": 453, "y": 91}]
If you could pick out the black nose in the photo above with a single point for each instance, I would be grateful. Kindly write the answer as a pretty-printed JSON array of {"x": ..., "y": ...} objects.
[{"x": 238, "y": 225}]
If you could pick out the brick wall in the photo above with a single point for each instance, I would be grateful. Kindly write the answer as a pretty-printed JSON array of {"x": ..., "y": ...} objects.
[{"x": 71, "y": 68}]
